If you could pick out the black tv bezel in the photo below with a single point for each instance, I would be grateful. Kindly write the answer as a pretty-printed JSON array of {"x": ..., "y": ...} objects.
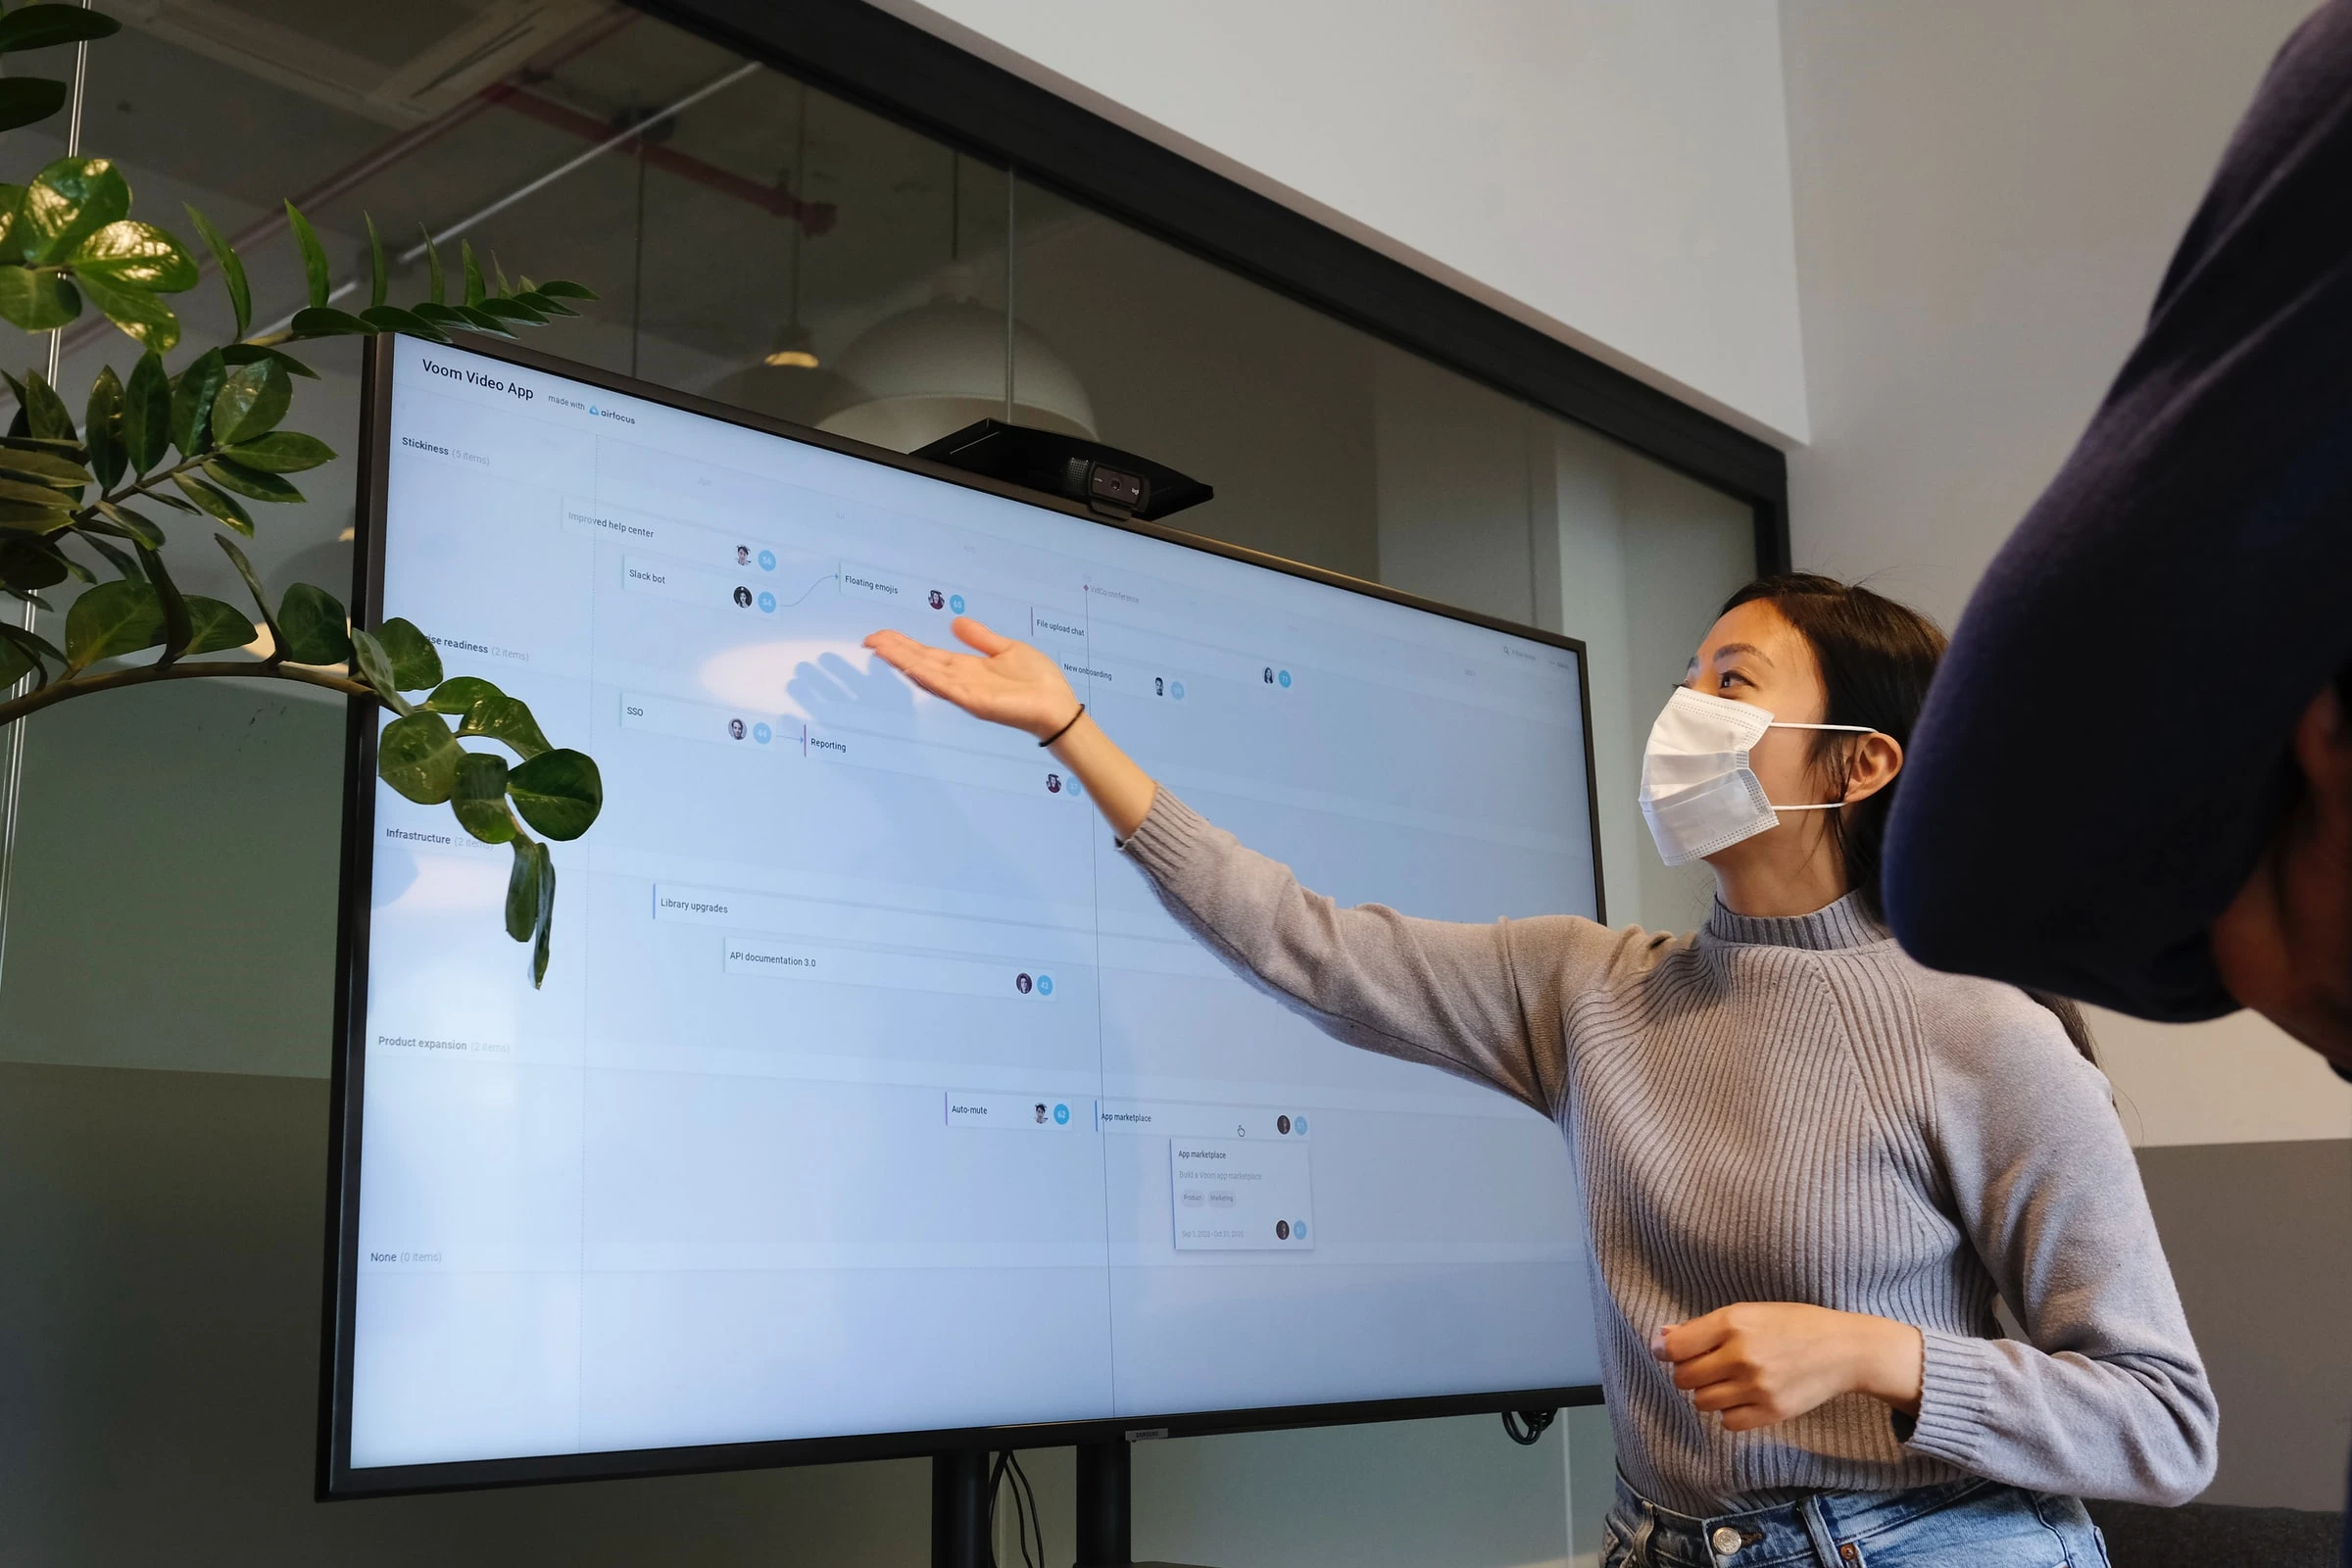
[{"x": 336, "y": 1479}]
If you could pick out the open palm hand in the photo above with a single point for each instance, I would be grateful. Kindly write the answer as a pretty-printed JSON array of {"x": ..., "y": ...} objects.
[{"x": 1006, "y": 682}]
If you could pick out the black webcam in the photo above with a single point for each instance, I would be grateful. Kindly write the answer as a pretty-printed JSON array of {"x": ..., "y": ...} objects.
[{"x": 1114, "y": 483}]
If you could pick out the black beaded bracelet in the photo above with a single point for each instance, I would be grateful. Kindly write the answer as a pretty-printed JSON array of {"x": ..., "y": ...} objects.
[{"x": 1065, "y": 729}]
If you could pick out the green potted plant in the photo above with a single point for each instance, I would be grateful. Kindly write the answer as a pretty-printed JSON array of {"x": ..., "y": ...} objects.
[{"x": 86, "y": 502}]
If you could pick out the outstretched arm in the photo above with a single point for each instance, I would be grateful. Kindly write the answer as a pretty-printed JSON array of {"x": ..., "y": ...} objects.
[{"x": 1484, "y": 1001}]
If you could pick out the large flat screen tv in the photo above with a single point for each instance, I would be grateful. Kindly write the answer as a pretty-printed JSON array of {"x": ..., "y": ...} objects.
[{"x": 872, "y": 1104}]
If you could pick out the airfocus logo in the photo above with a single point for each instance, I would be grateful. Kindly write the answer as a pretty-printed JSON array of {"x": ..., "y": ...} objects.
[{"x": 488, "y": 383}]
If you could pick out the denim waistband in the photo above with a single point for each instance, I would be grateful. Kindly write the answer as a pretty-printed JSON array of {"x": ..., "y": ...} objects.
[{"x": 1807, "y": 1531}]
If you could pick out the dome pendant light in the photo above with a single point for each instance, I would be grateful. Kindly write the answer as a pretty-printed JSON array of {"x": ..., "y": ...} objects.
[{"x": 931, "y": 371}]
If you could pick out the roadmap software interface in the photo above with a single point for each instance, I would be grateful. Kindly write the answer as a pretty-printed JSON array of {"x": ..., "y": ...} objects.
[{"x": 871, "y": 1089}]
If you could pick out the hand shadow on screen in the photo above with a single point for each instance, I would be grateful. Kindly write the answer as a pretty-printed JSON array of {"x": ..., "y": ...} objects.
[{"x": 961, "y": 850}]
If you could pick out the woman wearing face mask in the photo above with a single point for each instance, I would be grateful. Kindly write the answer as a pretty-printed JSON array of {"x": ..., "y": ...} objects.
[{"x": 1809, "y": 1165}]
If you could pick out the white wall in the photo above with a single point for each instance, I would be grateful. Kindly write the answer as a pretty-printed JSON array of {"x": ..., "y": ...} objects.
[
  {"x": 1986, "y": 197},
  {"x": 1614, "y": 175}
]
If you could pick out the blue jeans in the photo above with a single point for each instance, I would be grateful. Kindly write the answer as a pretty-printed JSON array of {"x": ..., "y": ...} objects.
[{"x": 1961, "y": 1524}]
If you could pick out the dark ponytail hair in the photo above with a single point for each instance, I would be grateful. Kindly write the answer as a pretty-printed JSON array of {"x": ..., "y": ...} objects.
[{"x": 1876, "y": 657}]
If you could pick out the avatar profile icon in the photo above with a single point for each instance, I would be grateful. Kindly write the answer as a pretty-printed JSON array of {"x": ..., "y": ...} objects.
[
  {"x": 1282, "y": 1230},
  {"x": 1160, "y": 687},
  {"x": 742, "y": 554},
  {"x": 1022, "y": 983},
  {"x": 1041, "y": 1113},
  {"x": 1052, "y": 783},
  {"x": 1282, "y": 1125},
  {"x": 1269, "y": 674},
  {"x": 743, "y": 597},
  {"x": 735, "y": 727},
  {"x": 939, "y": 601}
]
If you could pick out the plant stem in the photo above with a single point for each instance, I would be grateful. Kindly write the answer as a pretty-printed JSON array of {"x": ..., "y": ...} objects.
[{"x": 147, "y": 674}]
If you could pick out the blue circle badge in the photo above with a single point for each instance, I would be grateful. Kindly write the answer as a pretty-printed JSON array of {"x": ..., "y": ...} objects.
[
  {"x": 762, "y": 734},
  {"x": 1045, "y": 985},
  {"x": 767, "y": 561},
  {"x": 1062, "y": 1115},
  {"x": 767, "y": 603},
  {"x": 955, "y": 602},
  {"x": 1284, "y": 677}
]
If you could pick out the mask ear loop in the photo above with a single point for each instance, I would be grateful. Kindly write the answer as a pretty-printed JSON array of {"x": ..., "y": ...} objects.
[{"x": 1823, "y": 806}]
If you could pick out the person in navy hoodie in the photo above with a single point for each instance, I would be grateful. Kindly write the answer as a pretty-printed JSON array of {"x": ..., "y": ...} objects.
[{"x": 2133, "y": 780}]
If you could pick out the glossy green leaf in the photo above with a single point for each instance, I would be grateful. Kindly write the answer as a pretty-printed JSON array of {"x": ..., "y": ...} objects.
[
  {"x": 375, "y": 261},
  {"x": 123, "y": 562},
  {"x": 508, "y": 309},
  {"x": 498, "y": 276},
  {"x": 314, "y": 256},
  {"x": 252, "y": 400},
  {"x": 28, "y": 100},
  {"x": 504, "y": 719},
  {"x": 33, "y": 517},
  {"x": 232, "y": 268},
  {"x": 47, "y": 467},
  {"x": 44, "y": 26},
  {"x": 479, "y": 319},
  {"x": 544, "y": 933},
  {"x": 102, "y": 428},
  {"x": 29, "y": 493},
  {"x": 144, "y": 319},
  {"x": 444, "y": 316},
  {"x": 218, "y": 503},
  {"x": 392, "y": 319},
  {"x": 134, "y": 256},
  {"x": 249, "y": 353},
  {"x": 178, "y": 629},
  {"x": 312, "y": 628},
  {"x": 415, "y": 663},
  {"x": 558, "y": 792},
  {"x": 281, "y": 451},
  {"x": 324, "y": 321},
  {"x": 473, "y": 273},
  {"x": 33, "y": 641},
  {"x": 114, "y": 617},
  {"x": 218, "y": 627},
  {"x": 253, "y": 585},
  {"x": 257, "y": 483},
  {"x": 480, "y": 798},
  {"x": 15, "y": 665},
  {"x": 522, "y": 891},
  {"x": 373, "y": 664},
  {"x": 418, "y": 756},
  {"x": 11, "y": 230},
  {"x": 36, "y": 299},
  {"x": 436, "y": 287},
  {"x": 127, "y": 524},
  {"x": 565, "y": 289},
  {"x": 44, "y": 411},
  {"x": 28, "y": 563},
  {"x": 543, "y": 304},
  {"x": 67, "y": 202},
  {"x": 147, "y": 413},
  {"x": 458, "y": 693},
  {"x": 192, "y": 395}
]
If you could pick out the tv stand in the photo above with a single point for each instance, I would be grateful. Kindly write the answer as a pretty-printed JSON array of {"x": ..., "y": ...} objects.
[{"x": 1105, "y": 1509}]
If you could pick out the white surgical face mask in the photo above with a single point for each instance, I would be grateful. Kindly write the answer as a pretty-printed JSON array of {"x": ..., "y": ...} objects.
[{"x": 1698, "y": 792}]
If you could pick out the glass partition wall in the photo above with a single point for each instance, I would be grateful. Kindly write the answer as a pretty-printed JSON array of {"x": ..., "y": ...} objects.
[{"x": 759, "y": 241}]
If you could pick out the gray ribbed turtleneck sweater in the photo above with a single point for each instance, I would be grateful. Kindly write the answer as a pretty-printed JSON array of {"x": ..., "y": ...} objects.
[{"x": 1780, "y": 1110}]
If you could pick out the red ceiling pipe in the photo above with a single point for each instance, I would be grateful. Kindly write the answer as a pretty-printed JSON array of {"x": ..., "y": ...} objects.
[{"x": 815, "y": 217}]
